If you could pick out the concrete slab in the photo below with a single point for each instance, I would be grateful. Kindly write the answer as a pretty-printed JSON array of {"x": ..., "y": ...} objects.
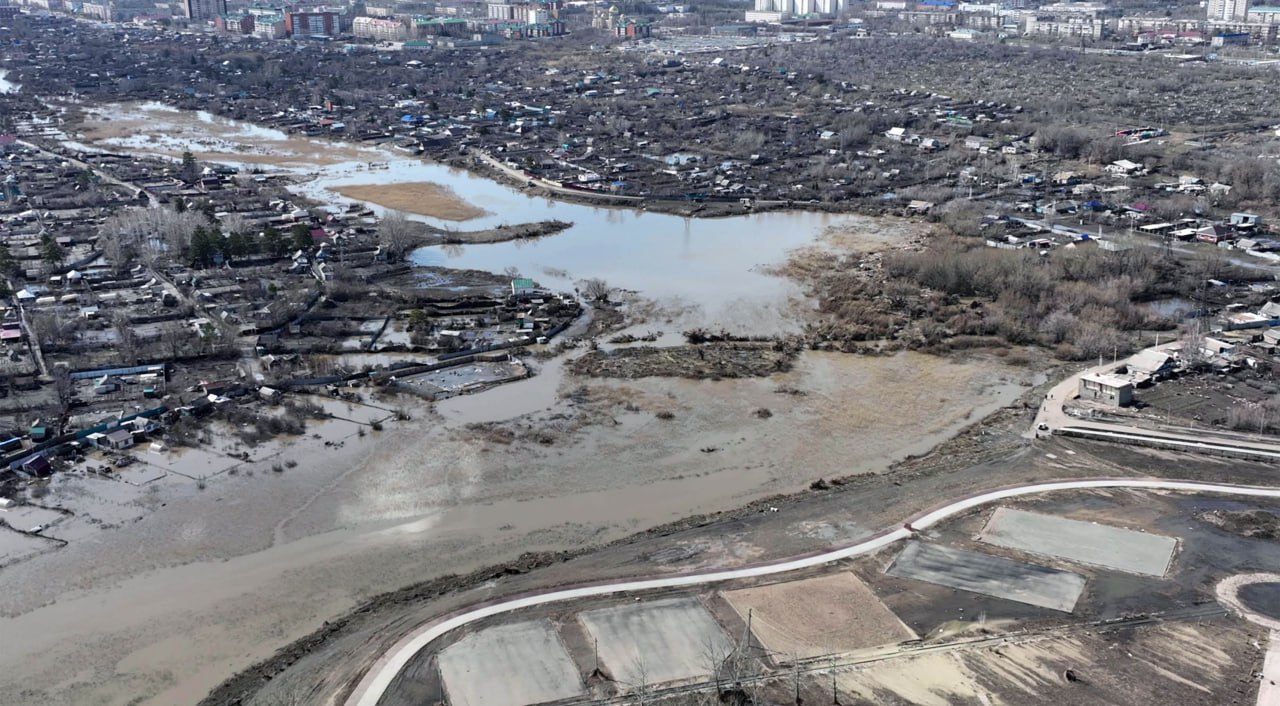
[
  {"x": 1083, "y": 542},
  {"x": 989, "y": 575},
  {"x": 509, "y": 665},
  {"x": 818, "y": 616},
  {"x": 657, "y": 642},
  {"x": 1268, "y": 689}
]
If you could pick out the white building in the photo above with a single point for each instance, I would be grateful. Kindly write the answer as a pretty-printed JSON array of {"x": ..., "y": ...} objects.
[
  {"x": 778, "y": 10},
  {"x": 1227, "y": 10},
  {"x": 379, "y": 28}
]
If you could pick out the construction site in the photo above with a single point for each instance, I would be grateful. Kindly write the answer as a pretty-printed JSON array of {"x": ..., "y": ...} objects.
[{"x": 1096, "y": 597}]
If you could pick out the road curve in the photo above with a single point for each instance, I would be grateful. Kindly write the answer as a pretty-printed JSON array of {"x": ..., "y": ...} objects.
[{"x": 379, "y": 677}]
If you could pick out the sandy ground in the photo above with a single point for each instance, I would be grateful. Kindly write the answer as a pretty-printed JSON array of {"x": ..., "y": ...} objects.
[
  {"x": 422, "y": 198},
  {"x": 818, "y": 616},
  {"x": 1167, "y": 663}
]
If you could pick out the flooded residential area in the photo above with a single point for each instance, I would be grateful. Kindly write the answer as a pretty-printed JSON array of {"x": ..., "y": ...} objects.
[
  {"x": 489, "y": 472},
  {"x": 680, "y": 370}
]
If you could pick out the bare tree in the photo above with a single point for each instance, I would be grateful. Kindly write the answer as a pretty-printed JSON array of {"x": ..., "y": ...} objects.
[
  {"x": 151, "y": 233},
  {"x": 174, "y": 338},
  {"x": 52, "y": 331},
  {"x": 596, "y": 289},
  {"x": 396, "y": 232},
  {"x": 234, "y": 223},
  {"x": 63, "y": 387},
  {"x": 126, "y": 337}
]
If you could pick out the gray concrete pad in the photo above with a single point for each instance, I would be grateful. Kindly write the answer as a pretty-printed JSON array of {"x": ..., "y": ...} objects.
[
  {"x": 989, "y": 575},
  {"x": 509, "y": 665},
  {"x": 656, "y": 642},
  {"x": 1084, "y": 542}
]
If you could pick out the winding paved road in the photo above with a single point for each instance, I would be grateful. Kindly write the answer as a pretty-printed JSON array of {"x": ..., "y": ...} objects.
[{"x": 376, "y": 681}]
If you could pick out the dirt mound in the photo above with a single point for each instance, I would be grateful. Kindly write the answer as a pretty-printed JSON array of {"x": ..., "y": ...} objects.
[
  {"x": 714, "y": 360},
  {"x": 1257, "y": 524}
]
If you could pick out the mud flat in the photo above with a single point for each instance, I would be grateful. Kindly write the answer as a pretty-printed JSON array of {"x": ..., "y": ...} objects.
[
  {"x": 716, "y": 360},
  {"x": 421, "y": 197},
  {"x": 818, "y": 616}
]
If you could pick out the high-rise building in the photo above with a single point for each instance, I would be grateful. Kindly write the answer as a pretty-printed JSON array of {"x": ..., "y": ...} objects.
[
  {"x": 314, "y": 23},
  {"x": 1228, "y": 10},
  {"x": 205, "y": 9},
  {"x": 777, "y": 10}
]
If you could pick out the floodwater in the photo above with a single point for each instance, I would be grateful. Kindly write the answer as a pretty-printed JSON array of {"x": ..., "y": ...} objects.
[
  {"x": 711, "y": 271},
  {"x": 701, "y": 272},
  {"x": 7, "y": 86},
  {"x": 1262, "y": 597},
  {"x": 1173, "y": 306},
  {"x": 514, "y": 399}
]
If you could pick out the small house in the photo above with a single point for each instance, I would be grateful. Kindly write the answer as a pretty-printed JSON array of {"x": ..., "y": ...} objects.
[
  {"x": 1124, "y": 167},
  {"x": 1111, "y": 389},
  {"x": 37, "y": 467},
  {"x": 117, "y": 439},
  {"x": 1215, "y": 233},
  {"x": 1152, "y": 363},
  {"x": 522, "y": 286}
]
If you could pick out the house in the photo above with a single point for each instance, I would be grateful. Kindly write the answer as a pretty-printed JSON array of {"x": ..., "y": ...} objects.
[
  {"x": 1111, "y": 389},
  {"x": 37, "y": 466},
  {"x": 1214, "y": 346},
  {"x": 522, "y": 286},
  {"x": 1154, "y": 364},
  {"x": 11, "y": 332},
  {"x": 1124, "y": 167},
  {"x": 117, "y": 439},
  {"x": 269, "y": 394},
  {"x": 897, "y": 134},
  {"x": 973, "y": 142},
  {"x": 1246, "y": 220},
  {"x": 1215, "y": 233}
]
